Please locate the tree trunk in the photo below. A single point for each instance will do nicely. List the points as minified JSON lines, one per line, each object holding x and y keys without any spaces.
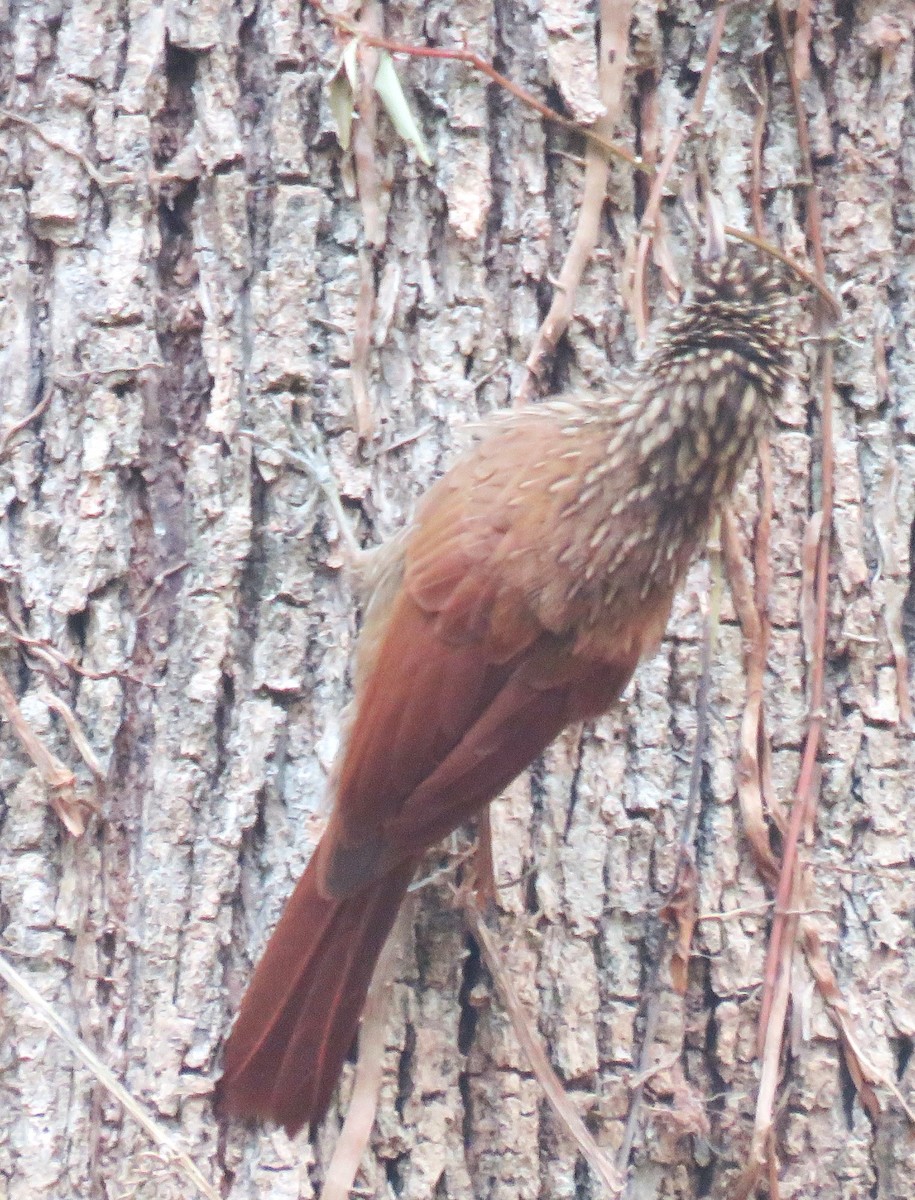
{"x":186,"y":262}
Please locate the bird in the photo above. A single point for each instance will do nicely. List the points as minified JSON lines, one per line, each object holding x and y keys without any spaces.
{"x":537,"y":573}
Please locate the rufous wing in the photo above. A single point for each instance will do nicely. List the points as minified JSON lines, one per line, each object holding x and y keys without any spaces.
{"x":466,"y":689}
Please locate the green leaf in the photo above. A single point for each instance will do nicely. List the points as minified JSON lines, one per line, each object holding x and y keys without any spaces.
{"x":391,"y":94}
{"x":349,"y":62}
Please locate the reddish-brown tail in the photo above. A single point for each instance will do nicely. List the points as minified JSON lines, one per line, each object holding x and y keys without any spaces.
{"x":299,"y":1016}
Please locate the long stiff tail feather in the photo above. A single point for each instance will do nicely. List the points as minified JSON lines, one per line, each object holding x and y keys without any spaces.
{"x":299,"y":1016}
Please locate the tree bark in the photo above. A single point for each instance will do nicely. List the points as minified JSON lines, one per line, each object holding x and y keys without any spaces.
{"x":184,"y":262}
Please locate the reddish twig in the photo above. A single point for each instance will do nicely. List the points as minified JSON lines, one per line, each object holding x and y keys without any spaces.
{"x":803,"y":29}
{"x":368,"y":176}
{"x":762,"y":570}
{"x":759,"y":134}
{"x":54,"y":658}
{"x":755,"y":629}
{"x":762,"y":1149}
{"x":804,"y":794}
{"x":811,"y":281}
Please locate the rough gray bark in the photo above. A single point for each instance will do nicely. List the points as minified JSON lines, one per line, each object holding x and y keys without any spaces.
{"x":190,"y":267}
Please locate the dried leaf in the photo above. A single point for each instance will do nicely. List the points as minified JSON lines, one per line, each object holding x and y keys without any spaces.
{"x":341,"y":100}
{"x":680,"y":910}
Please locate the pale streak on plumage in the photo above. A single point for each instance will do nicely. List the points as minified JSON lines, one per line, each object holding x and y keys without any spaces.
{"x":668,"y":446}
{"x":561,"y":485}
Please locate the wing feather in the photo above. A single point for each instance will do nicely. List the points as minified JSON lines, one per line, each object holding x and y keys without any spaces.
{"x":514,"y":730}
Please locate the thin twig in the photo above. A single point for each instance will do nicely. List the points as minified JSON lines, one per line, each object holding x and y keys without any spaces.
{"x":756,"y":163}
{"x":653,"y":206}
{"x":811,"y":281}
{"x":58,"y":778}
{"x":365,"y":131}
{"x":597,"y":1158}
{"x":97,"y":176}
{"x":754,"y":625}
{"x":415,"y":435}
{"x":76,"y":731}
{"x":368,"y":187}
{"x":709,"y":640}
{"x":363,"y":1103}
{"x":615,"y":16}
{"x":361,"y":345}
{"x":803,"y":29}
{"x":759,"y":910}
{"x":27,"y":420}
{"x":314,"y":464}
{"x":804,"y":795}
{"x":591,"y":134}
{"x":684,"y":860}
{"x":145,"y":600}
{"x":163,"y":1140}
{"x":484,"y":865}
{"x":762,"y":569}
{"x":785,"y":929}
{"x":48,"y":653}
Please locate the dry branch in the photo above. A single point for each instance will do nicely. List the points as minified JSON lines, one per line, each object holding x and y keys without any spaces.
{"x":58,"y":778}
{"x":363,"y":1102}
{"x":166,"y":1145}
{"x":614,"y":37}
{"x":650,"y":219}
{"x":555,"y":1093}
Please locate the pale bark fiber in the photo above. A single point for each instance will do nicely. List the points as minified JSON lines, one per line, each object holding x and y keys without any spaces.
{"x":208,"y":282}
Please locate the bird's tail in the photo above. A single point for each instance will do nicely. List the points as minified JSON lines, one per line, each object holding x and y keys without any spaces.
{"x":299,"y":1016}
